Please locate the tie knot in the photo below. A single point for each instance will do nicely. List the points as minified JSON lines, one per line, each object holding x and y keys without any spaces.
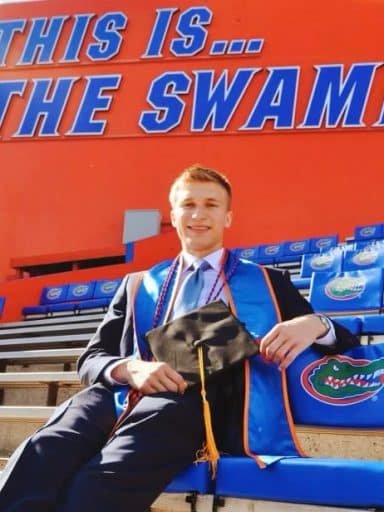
{"x":201,"y":264}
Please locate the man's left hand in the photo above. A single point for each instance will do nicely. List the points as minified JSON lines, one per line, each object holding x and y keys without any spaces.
{"x":286,"y":340}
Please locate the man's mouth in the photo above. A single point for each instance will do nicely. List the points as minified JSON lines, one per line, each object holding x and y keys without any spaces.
{"x":199,"y":228}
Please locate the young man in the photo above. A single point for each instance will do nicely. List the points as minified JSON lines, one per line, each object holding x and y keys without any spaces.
{"x":75,"y":462}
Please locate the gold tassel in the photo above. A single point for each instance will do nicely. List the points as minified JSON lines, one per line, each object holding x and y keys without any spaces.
{"x":210,"y":451}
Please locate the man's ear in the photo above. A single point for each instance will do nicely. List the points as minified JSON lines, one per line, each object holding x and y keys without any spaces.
{"x":228,"y":220}
{"x":173,"y":219}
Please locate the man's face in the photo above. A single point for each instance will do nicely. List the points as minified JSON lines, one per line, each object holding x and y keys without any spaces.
{"x":200,"y":214}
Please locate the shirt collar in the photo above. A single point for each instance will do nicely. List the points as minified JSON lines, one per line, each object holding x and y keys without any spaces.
{"x":214,"y":259}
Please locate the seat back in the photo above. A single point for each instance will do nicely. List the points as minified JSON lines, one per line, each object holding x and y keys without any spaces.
{"x":106,"y":288}
{"x":370,"y":256}
{"x":323,"y":243}
{"x":330,"y":261}
{"x":338,"y":292}
{"x":54,"y":294}
{"x":344,"y":390}
{"x":80,"y":291}
{"x":248,"y":253}
{"x":369,"y":232}
{"x":296,"y":248}
{"x":270,"y":253}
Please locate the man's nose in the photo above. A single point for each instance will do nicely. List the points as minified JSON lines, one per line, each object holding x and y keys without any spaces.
{"x":198,"y":212}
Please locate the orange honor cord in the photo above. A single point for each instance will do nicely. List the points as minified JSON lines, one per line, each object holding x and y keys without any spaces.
{"x":288,"y":411}
{"x":258,"y":460}
{"x":209,"y":451}
{"x":133,"y":395}
{"x":284,"y":385}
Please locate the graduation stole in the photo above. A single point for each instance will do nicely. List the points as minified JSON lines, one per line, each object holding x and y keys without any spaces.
{"x":268,"y":427}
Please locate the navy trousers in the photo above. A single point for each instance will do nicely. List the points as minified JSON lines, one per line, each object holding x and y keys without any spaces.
{"x":73,"y":464}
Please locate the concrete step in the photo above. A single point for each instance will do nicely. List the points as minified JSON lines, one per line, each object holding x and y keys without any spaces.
{"x":57,"y":355}
{"x":316,"y":442}
{"x":26,"y":332}
{"x":68,"y":339}
{"x":25,"y":413}
{"x":79,"y":318}
{"x":29,"y":379}
{"x":366,"y":444}
{"x":63,"y":314}
{"x":246,"y":505}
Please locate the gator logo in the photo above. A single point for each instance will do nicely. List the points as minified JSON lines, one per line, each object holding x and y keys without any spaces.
{"x":365,"y":257}
{"x":341,"y":380}
{"x":345,"y":288}
{"x":297,"y":246}
{"x":323,"y":243}
{"x":80,"y":290}
{"x":368,"y":231}
{"x":321,"y":261}
{"x":247,"y":253}
{"x":272,"y":249}
{"x":54,"y":293}
{"x":108,"y":287}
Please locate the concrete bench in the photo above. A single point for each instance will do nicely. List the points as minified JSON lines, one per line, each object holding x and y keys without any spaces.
{"x":80,"y":339}
{"x":58,"y":355}
{"x":32,"y":378}
{"x":22,"y":412}
{"x":70,"y":319}
{"x":41,"y":330}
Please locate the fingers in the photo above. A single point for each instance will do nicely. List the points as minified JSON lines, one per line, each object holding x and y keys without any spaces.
{"x":150,"y":377}
{"x":286,"y":340}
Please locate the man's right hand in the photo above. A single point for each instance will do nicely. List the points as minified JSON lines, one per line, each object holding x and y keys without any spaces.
{"x":149,"y":377}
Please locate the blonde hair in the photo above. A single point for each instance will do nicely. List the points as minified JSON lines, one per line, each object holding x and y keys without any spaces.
{"x":197,"y":172}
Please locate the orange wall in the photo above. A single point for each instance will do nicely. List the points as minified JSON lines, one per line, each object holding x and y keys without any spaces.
{"x":26,"y":292}
{"x":63,"y":193}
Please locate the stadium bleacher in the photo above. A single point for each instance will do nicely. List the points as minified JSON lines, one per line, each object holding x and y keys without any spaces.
{"x":343,"y":280}
{"x":74,"y":297}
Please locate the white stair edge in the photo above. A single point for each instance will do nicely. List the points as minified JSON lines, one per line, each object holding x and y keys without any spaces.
{"x":55,"y":353}
{"x":39,"y":377}
{"x":30,"y":412}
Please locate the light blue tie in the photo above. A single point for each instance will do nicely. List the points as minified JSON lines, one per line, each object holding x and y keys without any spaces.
{"x":189,"y":294}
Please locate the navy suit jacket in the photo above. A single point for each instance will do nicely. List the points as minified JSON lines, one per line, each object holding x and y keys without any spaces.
{"x":113,"y":339}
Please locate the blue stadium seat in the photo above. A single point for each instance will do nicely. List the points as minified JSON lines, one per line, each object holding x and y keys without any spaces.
{"x":94,"y":303}
{"x":333,"y":482}
{"x":323,"y":243}
{"x":330,"y":261}
{"x":196,"y":478}
{"x":358,"y":290}
{"x":293,"y":250}
{"x":62,"y":307}
{"x":353,"y":323}
{"x":103,"y":292}
{"x":54,"y":294}
{"x":34,"y":310}
{"x":248,"y":253}
{"x":369,"y":232}
{"x":370,"y":256}
{"x":372,"y":324}
{"x":270,"y":253}
{"x":363,"y":244}
{"x":301,"y":283}
{"x":334,"y":391}
{"x":80,"y":291}
{"x":106,"y":288}
{"x":50,"y":296}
